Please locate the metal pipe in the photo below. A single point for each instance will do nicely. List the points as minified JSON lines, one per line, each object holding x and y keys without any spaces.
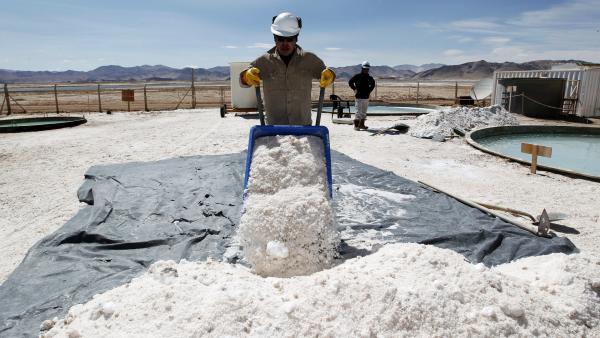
{"x":56,"y":99}
{"x":259,"y":106}
{"x":193,"y":90}
{"x":99,"y":100}
{"x":320,"y":108}
{"x":145,"y":99}
{"x":7,"y":99}
{"x":418,"y":85}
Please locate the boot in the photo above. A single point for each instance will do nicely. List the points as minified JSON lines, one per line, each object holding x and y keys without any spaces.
{"x":356,"y":124}
{"x":361,"y":125}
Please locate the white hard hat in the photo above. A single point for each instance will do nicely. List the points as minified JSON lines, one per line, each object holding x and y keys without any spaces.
{"x":366,"y":64}
{"x":286,"y":24}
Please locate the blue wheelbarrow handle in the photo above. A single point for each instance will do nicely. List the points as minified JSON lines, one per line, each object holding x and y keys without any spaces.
{"x":261,"y":115}
{"x":320,"y":108}
{"x":259,"y":105}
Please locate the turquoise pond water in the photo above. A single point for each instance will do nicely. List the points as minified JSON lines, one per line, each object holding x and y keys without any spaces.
{"x":395,"y":109}
{"x":375,"y":109}
{"x":569,"y":151}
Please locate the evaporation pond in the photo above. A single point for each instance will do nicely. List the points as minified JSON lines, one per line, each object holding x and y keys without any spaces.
{"x":33,"y":123}
{"x":569,"y":151}
{"x":398,"y":110}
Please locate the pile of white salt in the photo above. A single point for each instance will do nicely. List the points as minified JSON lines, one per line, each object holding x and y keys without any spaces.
{"x":287,"y":226}
{"x":402,"y":290}
{"x":440,"y":124}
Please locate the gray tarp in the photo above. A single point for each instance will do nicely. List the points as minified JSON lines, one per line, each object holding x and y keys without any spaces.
{"x":189,"y":208}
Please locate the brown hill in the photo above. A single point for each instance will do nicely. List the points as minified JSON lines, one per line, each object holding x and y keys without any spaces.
{"x":115,"y":73}
{"x":482,"y":69}
{"x":380,"y":72}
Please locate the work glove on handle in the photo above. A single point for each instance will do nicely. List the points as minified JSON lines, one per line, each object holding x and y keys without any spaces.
{"x":251,"y":77}
{"x":327,"y":78}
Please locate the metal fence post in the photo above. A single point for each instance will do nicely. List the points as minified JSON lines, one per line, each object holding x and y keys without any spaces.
{"x":56,"y":99}
{"x":7,"y":99}
{"x":418,"y":85}
{"x":193,"y":91}
{"x":99,"y":100}
{"x":145,"y":100}
{"x":455,"y":91}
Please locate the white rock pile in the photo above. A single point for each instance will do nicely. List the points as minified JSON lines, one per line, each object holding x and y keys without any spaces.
{"x":440,"y":124}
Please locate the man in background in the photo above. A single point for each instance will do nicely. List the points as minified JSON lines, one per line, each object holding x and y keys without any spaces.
{"x":287,"y":72}
{"x":362,"y":84}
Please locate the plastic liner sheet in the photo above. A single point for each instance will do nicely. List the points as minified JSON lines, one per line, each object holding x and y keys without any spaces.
{"x":189,"y":208}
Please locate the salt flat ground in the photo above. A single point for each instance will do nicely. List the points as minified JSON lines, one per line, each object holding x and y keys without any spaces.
{"x":42,"y":171}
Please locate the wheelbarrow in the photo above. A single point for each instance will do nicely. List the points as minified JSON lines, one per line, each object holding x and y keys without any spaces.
{"x":272,"y":130}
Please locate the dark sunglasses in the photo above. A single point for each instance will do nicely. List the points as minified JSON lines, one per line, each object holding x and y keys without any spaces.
{"x":285,"y":38}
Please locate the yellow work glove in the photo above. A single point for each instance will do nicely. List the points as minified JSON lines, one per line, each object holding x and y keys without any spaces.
{"x":327,"y":78}
{"x":252,"y":77}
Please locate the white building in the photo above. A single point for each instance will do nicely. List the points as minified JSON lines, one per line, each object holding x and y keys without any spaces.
{"x":564,"y":89}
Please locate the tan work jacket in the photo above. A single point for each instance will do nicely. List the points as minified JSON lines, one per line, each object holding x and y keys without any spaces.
{"x":287,"y":89}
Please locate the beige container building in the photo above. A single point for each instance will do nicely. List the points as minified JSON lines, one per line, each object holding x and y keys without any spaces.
{"x":566,"y":89}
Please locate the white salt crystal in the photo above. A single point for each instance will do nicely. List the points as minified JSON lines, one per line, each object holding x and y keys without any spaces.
{"x":488,"y":312}
{"x":277,"y":249}
{"x":512,"y":310}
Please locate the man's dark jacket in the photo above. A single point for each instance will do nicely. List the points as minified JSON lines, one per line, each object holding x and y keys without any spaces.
{"x":363,"y":84}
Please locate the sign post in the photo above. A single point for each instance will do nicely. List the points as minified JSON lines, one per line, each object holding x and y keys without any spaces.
{"x":535,"y":151}
{"x":128,"y":95}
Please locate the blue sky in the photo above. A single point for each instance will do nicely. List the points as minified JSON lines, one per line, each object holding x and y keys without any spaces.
{"x":82,"y":35}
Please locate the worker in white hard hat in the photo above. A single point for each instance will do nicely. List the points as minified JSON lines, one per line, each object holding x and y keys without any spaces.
{"x":287,"y":72}
{"x":362,"y":84}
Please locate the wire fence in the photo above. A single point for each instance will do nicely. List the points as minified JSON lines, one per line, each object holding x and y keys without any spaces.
{"x":104,"y":97}
{"x":532,"y":100}
{"x":426,"y":92}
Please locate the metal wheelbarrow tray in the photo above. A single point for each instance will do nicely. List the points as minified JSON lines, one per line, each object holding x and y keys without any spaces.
{"x":273,"y":130}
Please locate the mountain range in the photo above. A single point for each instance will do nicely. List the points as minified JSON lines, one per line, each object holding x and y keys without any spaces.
{"x":468,"y":71}
{"x":116,"y":73}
